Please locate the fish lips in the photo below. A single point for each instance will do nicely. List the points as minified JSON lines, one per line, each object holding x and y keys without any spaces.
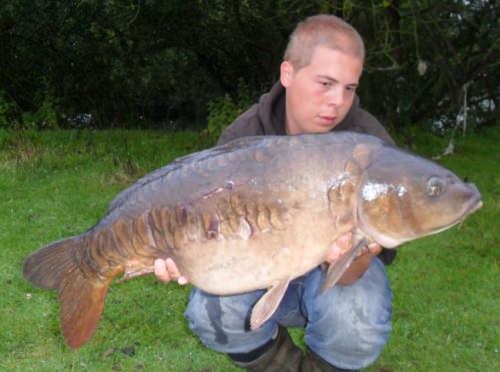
{"x":474,"y":203}
{"x":476,"y":200}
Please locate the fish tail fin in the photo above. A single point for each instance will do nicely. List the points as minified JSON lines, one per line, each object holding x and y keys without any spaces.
{"x":81,"y":298}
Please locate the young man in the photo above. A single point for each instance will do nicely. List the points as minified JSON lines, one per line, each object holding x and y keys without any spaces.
{"x":347,"y":327}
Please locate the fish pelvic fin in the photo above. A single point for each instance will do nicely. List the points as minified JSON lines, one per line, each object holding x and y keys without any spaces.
{"x":268,"y":303}
{"x":81,"y":298}
{"x":336,"y":269}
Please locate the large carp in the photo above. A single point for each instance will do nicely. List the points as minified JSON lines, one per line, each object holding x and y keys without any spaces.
{"x":252,"y":214}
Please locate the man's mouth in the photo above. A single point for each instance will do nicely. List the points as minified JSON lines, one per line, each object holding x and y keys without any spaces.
{"x":327,"y":119}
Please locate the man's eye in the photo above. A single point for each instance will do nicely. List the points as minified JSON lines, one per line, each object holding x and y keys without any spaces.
{"x":326,"y":84}
{"x":351,"y":89}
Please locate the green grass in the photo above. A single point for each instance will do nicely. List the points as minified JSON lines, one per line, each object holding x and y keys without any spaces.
{"x":55,"y":184}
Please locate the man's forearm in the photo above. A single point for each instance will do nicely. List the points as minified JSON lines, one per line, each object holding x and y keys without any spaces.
{"x":356,"y":270}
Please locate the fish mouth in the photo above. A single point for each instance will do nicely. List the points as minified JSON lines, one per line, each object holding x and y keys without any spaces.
{"x":476,"y":200}
{"x":476,"y":204}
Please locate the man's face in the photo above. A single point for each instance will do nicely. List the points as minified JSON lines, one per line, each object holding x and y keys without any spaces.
{"x":319,"y":95}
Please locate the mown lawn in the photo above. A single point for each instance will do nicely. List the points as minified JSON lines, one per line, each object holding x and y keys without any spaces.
{"x":56,"y":184}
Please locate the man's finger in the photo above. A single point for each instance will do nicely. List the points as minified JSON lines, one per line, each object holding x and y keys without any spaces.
{"x":344,"y":242}
{"x":174,"y":273}
{"x":333,"y":253}
{"x":161,"y":270}
{"x":339,"y":247}
{"x":172,"y":268}
{"x":374,"y":248}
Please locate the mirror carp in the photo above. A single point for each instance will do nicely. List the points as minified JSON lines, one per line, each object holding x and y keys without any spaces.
{"x":252,"y":214}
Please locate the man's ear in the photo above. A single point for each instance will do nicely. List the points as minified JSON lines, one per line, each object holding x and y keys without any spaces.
{"x":286,"y":73}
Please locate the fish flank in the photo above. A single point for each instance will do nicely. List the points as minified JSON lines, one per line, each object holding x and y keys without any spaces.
{"x":263,"y":218}
{"x":146,"y":237}
{"x":123,"y":235}
{"x":211,"y":225}
{"x":158,"y":236}
{"x":100,"y":256}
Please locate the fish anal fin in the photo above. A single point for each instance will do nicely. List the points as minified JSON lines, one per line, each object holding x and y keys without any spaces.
{"x":268,"y":303}
{"x":336,"y":269}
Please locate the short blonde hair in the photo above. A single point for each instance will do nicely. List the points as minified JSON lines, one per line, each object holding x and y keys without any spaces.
{"x":322,"y":30}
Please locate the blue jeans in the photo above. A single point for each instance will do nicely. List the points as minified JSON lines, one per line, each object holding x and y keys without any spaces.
{"x":347,"y":326}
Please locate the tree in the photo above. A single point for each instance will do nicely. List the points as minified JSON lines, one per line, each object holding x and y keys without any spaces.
{"x":152,"y":62}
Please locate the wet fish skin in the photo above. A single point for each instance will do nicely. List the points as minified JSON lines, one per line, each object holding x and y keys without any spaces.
{"x":252,"y":214}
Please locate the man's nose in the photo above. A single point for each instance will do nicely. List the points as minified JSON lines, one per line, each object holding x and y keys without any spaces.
{"x":336,"y":96}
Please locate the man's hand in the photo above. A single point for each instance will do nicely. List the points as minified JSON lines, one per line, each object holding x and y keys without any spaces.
{"x":359,"y":265}
{"x":166,"y":270}
{"x":339,"y":247}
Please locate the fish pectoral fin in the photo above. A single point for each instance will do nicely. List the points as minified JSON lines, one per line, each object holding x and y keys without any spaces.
{"x":268,"y":303}
{"x":338,"y":268}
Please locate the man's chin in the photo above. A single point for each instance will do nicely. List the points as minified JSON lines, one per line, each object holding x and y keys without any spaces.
{"x":324,"y":126}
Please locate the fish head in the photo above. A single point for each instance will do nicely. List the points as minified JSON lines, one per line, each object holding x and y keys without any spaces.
{"x":404,"y":197}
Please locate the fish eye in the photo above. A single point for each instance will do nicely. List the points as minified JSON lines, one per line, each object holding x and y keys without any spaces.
{"x":435,"y":186}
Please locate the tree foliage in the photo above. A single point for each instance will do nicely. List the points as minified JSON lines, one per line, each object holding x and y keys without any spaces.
{"x":161,"y":63}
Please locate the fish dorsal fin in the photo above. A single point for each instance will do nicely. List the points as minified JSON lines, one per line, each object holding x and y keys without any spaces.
{"x":336,"y":269}
{"x":268,"y":303}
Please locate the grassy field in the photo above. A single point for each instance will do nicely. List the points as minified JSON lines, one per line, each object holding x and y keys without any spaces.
{"x":56,"y":184}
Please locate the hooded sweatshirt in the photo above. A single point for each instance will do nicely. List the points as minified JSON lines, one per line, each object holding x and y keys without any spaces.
{"x":267,"y":117}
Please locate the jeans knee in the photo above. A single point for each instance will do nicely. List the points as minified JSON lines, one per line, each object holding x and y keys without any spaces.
{"x":349,"y":325}
{"x":222,"y":322}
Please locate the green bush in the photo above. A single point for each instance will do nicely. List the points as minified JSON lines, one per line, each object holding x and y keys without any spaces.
{"x":7,"y":111}
{"x":221,"y":112}
{"x":46,"y":117}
